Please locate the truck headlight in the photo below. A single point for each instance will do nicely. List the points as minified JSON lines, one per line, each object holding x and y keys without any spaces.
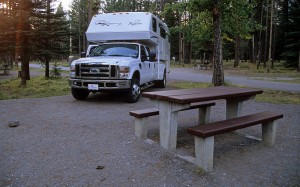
{"x":124,"y":72}
{"x":72,"y":67}
{"x":72,"y":70}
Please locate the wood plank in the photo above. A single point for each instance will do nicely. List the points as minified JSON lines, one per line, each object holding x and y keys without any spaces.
{"x":233,"y":124}
{"x":154,"y":111}
{"x":200,"y":94}
{"x":200,"y":97}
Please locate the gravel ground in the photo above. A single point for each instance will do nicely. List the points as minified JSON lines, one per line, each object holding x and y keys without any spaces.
{"x":64,"y":142}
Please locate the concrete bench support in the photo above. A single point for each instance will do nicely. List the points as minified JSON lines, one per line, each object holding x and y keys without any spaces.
{"x":141,"y":127}
{"x":204,"y":134}
{"x":142,"y":117}
{"x":204,"y":151}
{"x":269,"y":130}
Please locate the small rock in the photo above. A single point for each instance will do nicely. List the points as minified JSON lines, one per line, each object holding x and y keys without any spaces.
{"x":100,"y":167}
{"x":14,"y":123}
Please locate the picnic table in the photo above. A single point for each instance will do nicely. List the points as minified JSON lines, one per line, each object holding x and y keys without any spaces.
{"x":5,"y":67}
{"x":170,"y":102}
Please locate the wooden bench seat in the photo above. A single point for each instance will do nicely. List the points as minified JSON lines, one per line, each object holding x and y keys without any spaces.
{"x":141,"y":116}
{"x":204,"y":134}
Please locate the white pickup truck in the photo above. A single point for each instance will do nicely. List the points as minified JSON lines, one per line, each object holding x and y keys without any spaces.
{"x":132,"y":52}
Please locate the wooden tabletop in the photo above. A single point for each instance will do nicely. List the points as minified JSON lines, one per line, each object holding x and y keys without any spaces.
{"x":184,"y":96}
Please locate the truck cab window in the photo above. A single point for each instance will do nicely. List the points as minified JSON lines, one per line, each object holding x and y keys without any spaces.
{"x":125,"y":50}
{"x":148,"y":50}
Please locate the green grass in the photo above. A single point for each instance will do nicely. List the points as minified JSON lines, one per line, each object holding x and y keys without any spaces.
{"x":247,"y":69}
{"x":37,"y":87}
{"x":293,"y":81}
{"x":187,"y":85}
{"x":279,"y":97}
{"x":269,"y":96}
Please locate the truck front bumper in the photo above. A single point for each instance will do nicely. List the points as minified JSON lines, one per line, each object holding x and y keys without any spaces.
{"x":102,"y":84}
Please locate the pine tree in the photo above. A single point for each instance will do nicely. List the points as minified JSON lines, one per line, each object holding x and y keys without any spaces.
{"x":51,"y":35}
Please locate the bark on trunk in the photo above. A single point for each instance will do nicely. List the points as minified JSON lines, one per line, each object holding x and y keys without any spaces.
{"x":270,"y":38}
{"x":253,"y":50}
{"x":190,"y":52}
{"x":218,"y":75}
{"x":47,"y":67}
{"x":237,"y":52}
{"x":266,"y":36}
{"x":180,"y":48}
{"x":298,"y":69}
{"x":260,"y":38}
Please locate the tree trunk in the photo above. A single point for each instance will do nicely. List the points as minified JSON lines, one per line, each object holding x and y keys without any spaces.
{"x":190,"y":52}
{"x":260,"y":37}
{"x":22,"y":41}
{"x":237,"y":52}
{"x":298,"y":69}
{"x":270,"y":38}
{"x":253,"y":60}
{"x":218,"y":74}
{"x":274,"y":35}
{"x":48,"y":24}
{"x":266,"y":36}
{"x":89,"y":10}
{"x":47,"y":68}
{"x":79,"y":28}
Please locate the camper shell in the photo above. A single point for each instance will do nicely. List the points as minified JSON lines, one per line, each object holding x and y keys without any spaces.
{"x":142,"y":29}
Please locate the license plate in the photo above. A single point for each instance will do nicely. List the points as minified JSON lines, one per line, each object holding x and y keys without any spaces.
{"x":93,"y":87}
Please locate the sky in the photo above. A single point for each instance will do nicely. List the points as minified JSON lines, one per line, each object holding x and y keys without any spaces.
{"x":65,"y":4}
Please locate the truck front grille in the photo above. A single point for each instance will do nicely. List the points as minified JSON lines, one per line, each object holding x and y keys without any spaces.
{"x":96,"y":71}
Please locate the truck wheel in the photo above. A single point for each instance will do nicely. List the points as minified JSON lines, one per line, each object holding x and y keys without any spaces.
{"x":80,"y":94}
{"x":161,"y":83}
{"x":134,"y":92}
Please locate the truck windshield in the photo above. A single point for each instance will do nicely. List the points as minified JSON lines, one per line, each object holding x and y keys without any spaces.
{"x":124,"y":50}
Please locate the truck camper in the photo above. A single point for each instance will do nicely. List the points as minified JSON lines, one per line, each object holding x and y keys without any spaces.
{"x":130,"y":52}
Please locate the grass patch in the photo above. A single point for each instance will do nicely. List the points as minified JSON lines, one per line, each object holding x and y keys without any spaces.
{"x":293,"y":81}
{"x":268,"y":96}
{"x":37,"y":87}
{"x":187,"y":85}
{"x":246,"y":69}
{"x":279,"y":97}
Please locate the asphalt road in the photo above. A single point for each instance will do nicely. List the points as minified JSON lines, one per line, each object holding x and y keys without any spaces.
{"x":194,"y":75}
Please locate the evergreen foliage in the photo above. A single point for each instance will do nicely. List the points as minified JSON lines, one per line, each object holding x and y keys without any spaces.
{"x":291,"y":47}
{"x":32,"y":30}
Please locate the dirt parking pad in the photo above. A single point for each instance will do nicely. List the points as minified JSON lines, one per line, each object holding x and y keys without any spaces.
{"x":64,"y":142}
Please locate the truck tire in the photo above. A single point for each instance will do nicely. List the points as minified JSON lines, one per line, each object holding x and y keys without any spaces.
{"x":80,"y":94}
{"x":161,"y":83}
{"x":134,"y":92}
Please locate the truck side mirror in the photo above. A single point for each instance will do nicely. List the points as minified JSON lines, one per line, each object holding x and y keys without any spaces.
{"x":83,"y":55}
{"x":152,"y":57}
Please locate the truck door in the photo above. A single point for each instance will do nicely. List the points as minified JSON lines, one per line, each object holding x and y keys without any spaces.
{"x":153,"y":65}
{"x":147,"y":66}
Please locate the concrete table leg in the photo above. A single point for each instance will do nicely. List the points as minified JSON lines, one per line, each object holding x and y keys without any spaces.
{"x":203,"y":115}
{"x":168,"y":121}
{"x":233,"y":108}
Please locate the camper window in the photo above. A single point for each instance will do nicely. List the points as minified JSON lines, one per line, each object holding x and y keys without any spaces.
{"x":154,"y":26}
{"x":162,"y":31}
